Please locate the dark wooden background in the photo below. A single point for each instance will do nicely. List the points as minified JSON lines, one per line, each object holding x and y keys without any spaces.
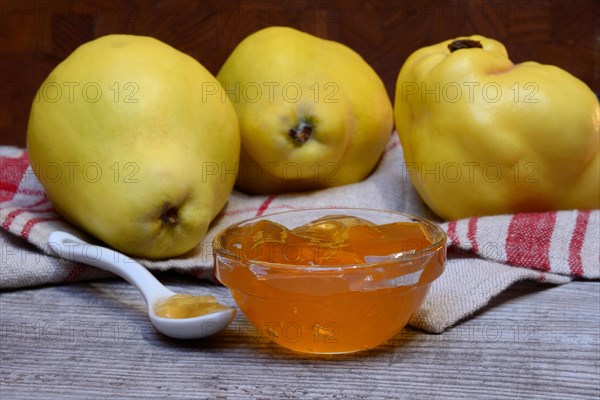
{"x":36,"y":35}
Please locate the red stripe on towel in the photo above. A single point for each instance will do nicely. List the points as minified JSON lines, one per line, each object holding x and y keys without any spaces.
{"x":452,"y":233}
{"x":472,"y":234}
{"x":576,"y":244}
{"x":12,"y":175}
{"x":32,"y":222}
{"x":528,"y":240}
{"x":15,"y":213}
{"x":265,"y":205}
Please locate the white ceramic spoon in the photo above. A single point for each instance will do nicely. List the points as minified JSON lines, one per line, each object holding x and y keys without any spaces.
{"x":72,"y":248}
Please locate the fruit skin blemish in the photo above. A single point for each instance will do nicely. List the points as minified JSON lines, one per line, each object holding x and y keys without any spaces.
{"x":337,"y":283}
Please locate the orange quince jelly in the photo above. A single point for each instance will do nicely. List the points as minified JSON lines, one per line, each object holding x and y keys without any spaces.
{"x":334,"y":285}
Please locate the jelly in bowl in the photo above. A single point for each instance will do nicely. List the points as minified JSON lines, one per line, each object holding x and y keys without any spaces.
{"x":330,"y":280}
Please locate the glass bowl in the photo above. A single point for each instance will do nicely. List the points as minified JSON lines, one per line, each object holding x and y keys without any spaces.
{"x":315,"y":301}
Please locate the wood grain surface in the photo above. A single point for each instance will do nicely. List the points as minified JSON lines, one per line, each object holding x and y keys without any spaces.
{"x":91,"y":341}
{"x":35,"y":35}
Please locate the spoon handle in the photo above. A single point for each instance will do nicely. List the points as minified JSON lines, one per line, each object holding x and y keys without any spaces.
{"x":72,"y":248}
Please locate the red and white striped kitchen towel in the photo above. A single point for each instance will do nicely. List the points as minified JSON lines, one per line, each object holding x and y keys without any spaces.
{"x":496,"y":251}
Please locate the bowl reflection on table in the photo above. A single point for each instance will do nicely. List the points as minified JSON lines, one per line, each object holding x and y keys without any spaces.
{"x":327,"y":304}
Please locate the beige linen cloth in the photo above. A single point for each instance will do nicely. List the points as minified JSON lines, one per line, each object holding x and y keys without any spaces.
{"x":486,"y":254}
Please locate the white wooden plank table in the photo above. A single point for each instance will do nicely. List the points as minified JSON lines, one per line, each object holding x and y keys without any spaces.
{"x":93,"y":340}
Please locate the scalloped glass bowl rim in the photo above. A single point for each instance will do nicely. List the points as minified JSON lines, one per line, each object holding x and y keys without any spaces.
{"x":440,"y":235}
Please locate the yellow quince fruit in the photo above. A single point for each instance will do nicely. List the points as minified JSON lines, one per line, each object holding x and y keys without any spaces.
{"x":127,"y":148}
{"x":482,"y":135}
{"x":312,"y":113}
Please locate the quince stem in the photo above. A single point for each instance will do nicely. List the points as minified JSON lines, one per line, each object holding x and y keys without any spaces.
{"x":464,"y":44}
